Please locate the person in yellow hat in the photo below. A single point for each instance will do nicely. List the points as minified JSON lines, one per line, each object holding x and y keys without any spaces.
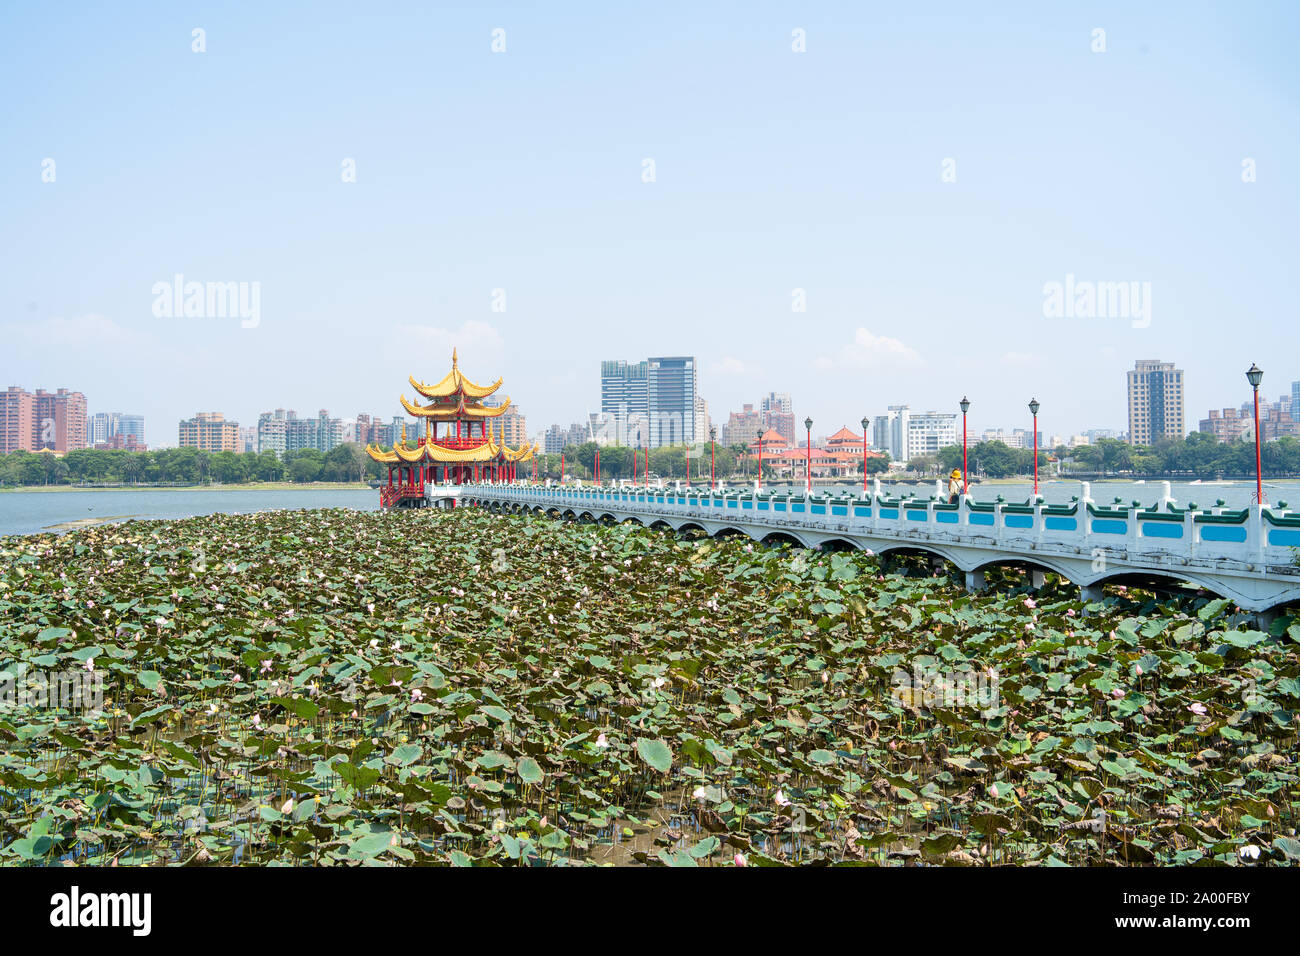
{"x":954,"y":486}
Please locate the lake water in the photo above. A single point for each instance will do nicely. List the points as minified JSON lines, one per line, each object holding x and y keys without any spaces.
{"x":27,"y":512}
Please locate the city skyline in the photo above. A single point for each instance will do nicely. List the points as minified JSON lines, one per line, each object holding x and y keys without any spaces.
{"x":940,"y":238}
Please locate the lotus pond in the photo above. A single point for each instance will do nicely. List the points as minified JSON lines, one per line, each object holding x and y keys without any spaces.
{"x":346,"y":688}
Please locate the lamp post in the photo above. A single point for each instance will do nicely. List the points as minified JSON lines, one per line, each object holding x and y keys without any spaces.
{"x":760,"y":459}
{"x":713,"y":434}
{"x":1253,"y":375}
{"x":865,"y":422}
{"x":597,"y":467}
{"x":807,"y":423}
{"x":1033,"y":408}
{"x":561,"y":468}
{"x":965,"y":481}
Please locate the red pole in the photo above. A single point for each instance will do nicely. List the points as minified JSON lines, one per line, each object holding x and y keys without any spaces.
{"x":965,"y":480}
{"x":1259,"y":470}
{"x":561,"y":467}
{"x":760,"y":462}
{"x":864,"y":461}
{"x":597,"y":466}
{"x":712,"y":448}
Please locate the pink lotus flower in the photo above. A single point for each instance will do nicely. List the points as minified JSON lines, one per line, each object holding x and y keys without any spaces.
{"x":1030,"y":603}
{"x":741,"y":860}
{"x":257,"y":720}
{"x":993,"y":791}
{"x":1197,"y":708}
{"x":780,"y":799}
{"x":1118,"y":693}
{"x":602,"y":743}
{"x":1137,"y":668}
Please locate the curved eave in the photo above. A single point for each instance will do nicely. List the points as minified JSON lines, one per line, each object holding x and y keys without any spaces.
{"x":457,"y":411}
{"x":452,"y":384}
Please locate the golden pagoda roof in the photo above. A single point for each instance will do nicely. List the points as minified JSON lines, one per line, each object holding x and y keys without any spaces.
{"x":459,"y":410}
{"x":454,"y":383}
{"x":427,"y":450}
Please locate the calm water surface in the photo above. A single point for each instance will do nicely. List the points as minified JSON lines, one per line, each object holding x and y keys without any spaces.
{"x":27,"y":512}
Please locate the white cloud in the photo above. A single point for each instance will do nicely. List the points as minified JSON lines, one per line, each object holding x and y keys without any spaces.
{"x":729,"y":365}
{"x":868,"y":350}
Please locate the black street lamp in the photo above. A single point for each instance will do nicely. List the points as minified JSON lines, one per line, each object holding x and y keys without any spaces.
{"x":1255,"y":375}
{"x":807,"y":423}
{"x":1033,"y":408}
{"x":865,"y":422}
{"x":965,"y":482}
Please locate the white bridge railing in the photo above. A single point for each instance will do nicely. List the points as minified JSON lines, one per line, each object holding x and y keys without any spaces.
{"x":1256,"y":541}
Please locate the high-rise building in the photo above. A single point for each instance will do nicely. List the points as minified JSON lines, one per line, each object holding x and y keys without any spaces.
{"x":209,"y":431}
{"x":650,"y":403}
{"x":927,"y":433}
{"x":271,"y":428}
{"x":702,"y":420}
{"x":1227,"y":425}
{"x":46,"y":421}
{"x":778,"y":414}
{"x":743,"y":427}
{"x":1155,"y":402}
{"x":281,"y":431}
{"x":624,"y":402}
{"x":59,"y":420}
{"x":890,"y":432}
{"x":100,"y":428}
{"x":670,"y":394}
{"x":104,"y":426}
{"x":511,"y":426}
{"x":557,"y":438}
{"x":132,"y":425}
{"x":16,"y":414}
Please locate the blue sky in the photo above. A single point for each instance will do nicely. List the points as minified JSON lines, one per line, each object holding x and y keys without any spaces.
{"x":523,"y":171}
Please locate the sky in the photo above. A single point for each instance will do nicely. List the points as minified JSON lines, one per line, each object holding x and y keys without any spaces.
{"x":619,"y":181}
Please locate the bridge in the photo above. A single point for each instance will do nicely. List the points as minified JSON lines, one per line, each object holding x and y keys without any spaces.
{"x":1248,"y":556}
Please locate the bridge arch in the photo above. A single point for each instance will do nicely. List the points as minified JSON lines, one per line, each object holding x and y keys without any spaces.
{"x":782,"y":537}
{"x":838,"y":544}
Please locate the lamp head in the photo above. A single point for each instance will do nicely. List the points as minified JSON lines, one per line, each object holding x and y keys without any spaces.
{"x":1254,"y":374}
{"x":965,"y":404}
{"x":1034,"y":406}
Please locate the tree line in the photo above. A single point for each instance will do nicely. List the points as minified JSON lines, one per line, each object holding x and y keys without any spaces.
{"x":347,"y":462}
{"x":1198,"y":455}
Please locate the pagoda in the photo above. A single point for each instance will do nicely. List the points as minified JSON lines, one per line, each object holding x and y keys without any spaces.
{"x":460,"y":442}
